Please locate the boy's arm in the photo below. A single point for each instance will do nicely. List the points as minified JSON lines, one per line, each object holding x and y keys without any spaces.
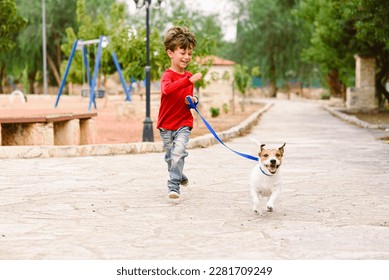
{"x":169,"y":87}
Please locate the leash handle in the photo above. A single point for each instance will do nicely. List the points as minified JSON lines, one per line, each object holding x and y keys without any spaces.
{"x":193,"y":106}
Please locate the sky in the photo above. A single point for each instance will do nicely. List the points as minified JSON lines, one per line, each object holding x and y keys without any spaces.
{"x":219,"y":6}
{"x":208,"y":6}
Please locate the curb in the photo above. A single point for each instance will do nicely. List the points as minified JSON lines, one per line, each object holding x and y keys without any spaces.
{"x":26,"y":152}
{"x":338,"y":112}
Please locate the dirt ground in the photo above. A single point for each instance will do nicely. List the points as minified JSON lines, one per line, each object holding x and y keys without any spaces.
{"x":379,"y":118}
{"x":117,"y":121}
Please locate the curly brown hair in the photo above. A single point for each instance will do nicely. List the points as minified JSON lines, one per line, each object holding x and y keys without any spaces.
{"x":179,"y":37}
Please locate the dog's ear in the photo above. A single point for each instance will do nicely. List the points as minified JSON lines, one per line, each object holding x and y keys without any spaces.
{"x":261,"y":147}
{"x":282,"y":149}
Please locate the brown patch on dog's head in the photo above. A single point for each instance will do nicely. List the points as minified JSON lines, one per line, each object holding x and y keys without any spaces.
{"x":271,"y":158}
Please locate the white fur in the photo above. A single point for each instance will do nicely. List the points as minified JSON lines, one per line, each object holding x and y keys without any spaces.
{"x":263,"y":186}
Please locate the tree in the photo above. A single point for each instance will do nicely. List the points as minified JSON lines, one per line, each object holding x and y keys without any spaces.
{"x":342,"y":29}
{"x":330,"y":42}
{"x":27,"y":55}
{"x":89,"y":28}
{"x":267,"y":37}
{"x":372,"y":38}
{"x":28,"y":52}
{"x":242,"y":81}
{"x":11,"y":23}
{"x":128,"y":40}
{"x":95,"y":18}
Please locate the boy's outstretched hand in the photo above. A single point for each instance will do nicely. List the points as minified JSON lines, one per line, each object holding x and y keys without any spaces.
{"x":196,"y":77}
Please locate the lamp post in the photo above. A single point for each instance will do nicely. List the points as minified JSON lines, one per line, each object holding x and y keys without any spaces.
{"x":148,"y":135}
{"x":44,"y":46}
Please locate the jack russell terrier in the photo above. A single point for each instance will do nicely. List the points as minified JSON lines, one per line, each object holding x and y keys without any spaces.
{"x":265,"y":179}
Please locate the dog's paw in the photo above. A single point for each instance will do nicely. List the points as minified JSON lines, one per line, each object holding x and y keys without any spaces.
{"x":270,"y":209}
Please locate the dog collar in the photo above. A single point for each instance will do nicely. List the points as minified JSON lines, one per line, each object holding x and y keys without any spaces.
{"x":260,"y":168}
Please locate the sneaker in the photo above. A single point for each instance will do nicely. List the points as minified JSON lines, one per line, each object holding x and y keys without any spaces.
{"x":174,"y":195}
{"x":184,"y":182}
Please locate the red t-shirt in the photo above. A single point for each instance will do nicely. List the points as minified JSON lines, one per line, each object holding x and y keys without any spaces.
{"x":173,"y":112}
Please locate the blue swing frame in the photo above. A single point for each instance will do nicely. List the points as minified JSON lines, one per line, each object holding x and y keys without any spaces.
{"x":92,"y":82}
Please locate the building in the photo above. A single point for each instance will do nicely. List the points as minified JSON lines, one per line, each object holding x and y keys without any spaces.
{"x":219,"y":78}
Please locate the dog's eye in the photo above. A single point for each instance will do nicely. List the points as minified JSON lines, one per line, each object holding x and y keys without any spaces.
{"x":265,"y":155}
{"x":278,"y":155}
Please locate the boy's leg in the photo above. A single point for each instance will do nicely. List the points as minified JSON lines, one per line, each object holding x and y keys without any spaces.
{"x":175,"y":152}
{"x":178,"y":155}
{"x":167,"y":139}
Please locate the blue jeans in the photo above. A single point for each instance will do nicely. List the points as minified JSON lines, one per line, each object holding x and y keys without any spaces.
{"x":174,"y":143}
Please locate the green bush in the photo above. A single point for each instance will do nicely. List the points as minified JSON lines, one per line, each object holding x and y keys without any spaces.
{"x":325,"y":96}
{"x":215,"y":112}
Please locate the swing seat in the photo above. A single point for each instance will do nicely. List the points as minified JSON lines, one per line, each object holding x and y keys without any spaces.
{"x":99,"y":93}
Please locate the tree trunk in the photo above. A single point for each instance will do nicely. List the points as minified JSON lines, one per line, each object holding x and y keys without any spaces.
{"x":59,"y":57}
{"x":54,"y":70}
{"x":382,"y":77}
{"x":31,"y":81}
{"x":2,"y":74}
{"x":273,"y":89}
{"x":337,"y":88}
{"x":272,"y":75}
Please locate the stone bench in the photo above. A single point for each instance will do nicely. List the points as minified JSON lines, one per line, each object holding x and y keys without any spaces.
{"x":48,"y":130}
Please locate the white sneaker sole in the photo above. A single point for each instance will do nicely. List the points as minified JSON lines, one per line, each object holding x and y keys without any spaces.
{"x":174,"y":195}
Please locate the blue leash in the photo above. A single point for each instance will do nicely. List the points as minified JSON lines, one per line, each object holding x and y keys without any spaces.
{"x":193,"y":106}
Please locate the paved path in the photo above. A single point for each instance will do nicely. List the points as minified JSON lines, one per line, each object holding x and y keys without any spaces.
{"x":334,"y":204}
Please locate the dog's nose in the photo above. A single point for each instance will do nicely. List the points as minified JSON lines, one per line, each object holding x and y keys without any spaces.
{"x":273,"y":161}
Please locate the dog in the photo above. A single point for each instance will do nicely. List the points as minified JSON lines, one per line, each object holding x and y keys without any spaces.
{"x":266,"y":179}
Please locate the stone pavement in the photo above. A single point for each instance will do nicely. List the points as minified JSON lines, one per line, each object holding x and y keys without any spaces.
{"x":334,"y":204}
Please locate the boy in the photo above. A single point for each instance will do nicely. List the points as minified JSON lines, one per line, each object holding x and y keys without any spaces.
{"x":175,"y":120}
